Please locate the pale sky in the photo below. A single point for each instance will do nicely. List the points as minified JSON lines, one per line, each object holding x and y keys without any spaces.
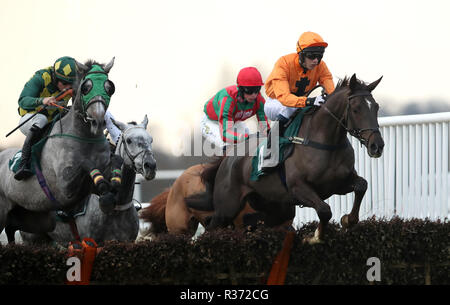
{"x":173,"y":55}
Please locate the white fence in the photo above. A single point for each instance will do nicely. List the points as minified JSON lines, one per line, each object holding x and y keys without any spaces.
{"x":411,"y":179}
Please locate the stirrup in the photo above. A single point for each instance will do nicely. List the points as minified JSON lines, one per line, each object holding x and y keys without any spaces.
{"x":267,"y":161}
{"x":23,"y":173}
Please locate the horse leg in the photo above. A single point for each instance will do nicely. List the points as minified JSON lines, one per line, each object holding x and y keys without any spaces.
{"x":116,"y":172}
{"x":308,"y":197}
{"x":10,"y":234}
{"x":177,"y":214}
{"x":35,"y":239}
{"x":107,"y":200}
{"x":226,"y":209}
{"x":28,"y":221}
{"x":99,"y":181}
{"x":359,"y":186}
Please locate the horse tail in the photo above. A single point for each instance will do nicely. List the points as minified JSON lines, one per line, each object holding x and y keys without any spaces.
{"x":204,"y":201}
{"x":155,"y":213}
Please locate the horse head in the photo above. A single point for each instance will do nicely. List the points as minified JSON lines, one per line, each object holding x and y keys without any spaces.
{"x":135,"y":147}
{"x":362,"y":116}
{"x":93,"y":91}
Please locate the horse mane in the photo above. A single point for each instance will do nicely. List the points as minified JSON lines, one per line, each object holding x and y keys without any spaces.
{"x":345,"y":83}
{"x":90,"y":62}
{"x":343,"y":87}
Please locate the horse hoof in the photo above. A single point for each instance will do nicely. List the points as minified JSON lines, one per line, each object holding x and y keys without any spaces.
{"x":313,"y":240}
{"x":344,"y":222}
{"x":107,"y":203}
{"x":115,"y":185}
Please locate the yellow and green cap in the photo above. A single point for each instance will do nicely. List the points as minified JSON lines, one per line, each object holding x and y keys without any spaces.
{"x":65,"y":69}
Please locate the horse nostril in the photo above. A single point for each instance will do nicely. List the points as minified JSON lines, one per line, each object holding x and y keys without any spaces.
{"x":149,"y":166}
{"x":373,"y":147}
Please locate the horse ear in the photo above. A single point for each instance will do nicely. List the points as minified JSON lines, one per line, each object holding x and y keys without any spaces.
{"x":81,"y":67}
{"x":373,"y":85}
{"x":353,"y":82}
{"x":144,"y":122}
{"x":119,"y":125}
{"x":109,"y":65}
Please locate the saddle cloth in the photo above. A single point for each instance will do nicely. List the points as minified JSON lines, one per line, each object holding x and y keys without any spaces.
{"x":285,"y":146}
{"x":36,"y":149}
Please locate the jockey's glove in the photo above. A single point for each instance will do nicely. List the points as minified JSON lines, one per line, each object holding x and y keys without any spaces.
{"x":315,"y":101}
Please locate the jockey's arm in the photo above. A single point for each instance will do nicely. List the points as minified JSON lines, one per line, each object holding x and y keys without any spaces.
{"x":29,"y":98}
{"x":281,"y":88}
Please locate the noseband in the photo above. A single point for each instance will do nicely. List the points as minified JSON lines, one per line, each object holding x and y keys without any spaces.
{"x":355,"y":132}
{"x":122,"y":140}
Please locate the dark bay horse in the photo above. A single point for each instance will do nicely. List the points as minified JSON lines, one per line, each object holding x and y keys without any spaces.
{"x":312,"y":173}
{"x":72,"y":161}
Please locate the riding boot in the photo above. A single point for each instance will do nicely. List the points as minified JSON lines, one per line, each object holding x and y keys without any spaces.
{"x":267,"y":160}
{"x":24,"y":170}
{"x":281,"y":129}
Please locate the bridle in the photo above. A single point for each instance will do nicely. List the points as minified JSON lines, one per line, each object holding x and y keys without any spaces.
{"x":355,"y":132}
{"x":122,"y":140}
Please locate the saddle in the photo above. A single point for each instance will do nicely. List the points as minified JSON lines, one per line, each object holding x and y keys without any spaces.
{"x":286,"y":145}
{"x":36,"y":149}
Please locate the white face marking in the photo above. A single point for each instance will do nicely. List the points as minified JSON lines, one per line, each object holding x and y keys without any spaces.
{"x":369,"y":103}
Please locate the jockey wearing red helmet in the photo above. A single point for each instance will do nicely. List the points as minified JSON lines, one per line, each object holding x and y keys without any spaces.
{"x":226,"y":110}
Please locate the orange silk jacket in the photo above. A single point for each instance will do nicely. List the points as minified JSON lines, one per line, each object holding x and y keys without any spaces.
{"x":288,"y":82}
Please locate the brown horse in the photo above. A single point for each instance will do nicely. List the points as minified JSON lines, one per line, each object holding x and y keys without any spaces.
{"x":322,"y":164}
{"x":188,"y":202}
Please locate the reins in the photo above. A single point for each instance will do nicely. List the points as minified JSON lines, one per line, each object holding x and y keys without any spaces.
{"x":306,"y":141}
{"x":355,"y":132}
{"x":343,"y":122}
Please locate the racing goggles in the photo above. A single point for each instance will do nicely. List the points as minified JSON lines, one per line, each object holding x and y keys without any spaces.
{"x":251,"y":90}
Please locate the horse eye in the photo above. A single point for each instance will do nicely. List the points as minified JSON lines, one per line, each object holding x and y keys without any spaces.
{"x":109,"y":87}
{"x":86,"y":87}
{"x":129,"y":141}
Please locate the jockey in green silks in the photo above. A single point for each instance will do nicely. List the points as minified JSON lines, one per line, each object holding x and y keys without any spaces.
{"x":39,"y":92}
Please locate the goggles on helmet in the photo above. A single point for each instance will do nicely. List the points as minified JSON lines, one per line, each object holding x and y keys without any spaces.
{"x":251,"y":89}
{"x":313,"y":55}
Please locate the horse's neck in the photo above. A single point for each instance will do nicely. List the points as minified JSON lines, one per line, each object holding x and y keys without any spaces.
{"x":72,"y":123}
{"x":325,"y":128}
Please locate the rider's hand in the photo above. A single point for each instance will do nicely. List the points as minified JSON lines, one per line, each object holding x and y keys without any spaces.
{"x":48,"y":100}
{"x":316,"y":101}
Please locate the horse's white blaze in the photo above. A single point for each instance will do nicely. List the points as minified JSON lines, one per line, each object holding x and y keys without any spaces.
{"x":369,"y":103}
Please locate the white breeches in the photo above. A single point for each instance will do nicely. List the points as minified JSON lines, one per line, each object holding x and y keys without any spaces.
{"x":39,"y":120}
{"x":211,"y":131}
{"x":273,"y":108}
{"x":114,"y":131}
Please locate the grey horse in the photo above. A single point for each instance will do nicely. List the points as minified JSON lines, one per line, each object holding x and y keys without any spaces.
{"x":121,"y":223}
{"x":75,"y":148}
